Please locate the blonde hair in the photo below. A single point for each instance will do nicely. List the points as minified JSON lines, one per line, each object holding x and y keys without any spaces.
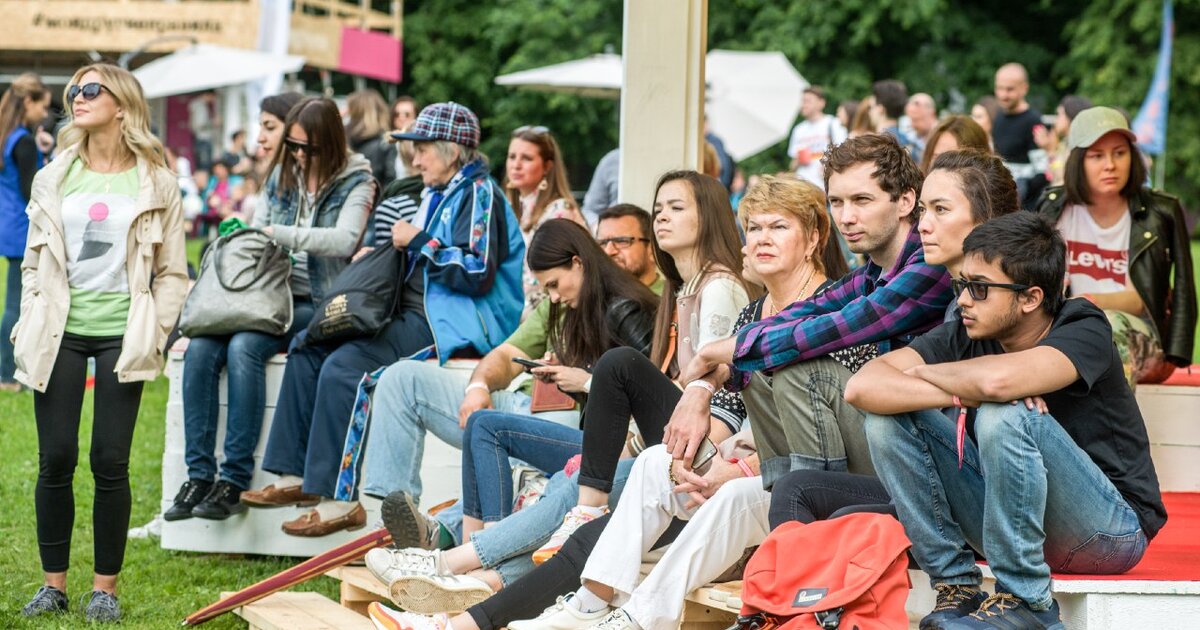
{"x":785,"y":194}
{"x":135,"y":124}
{"x":369,"y":115}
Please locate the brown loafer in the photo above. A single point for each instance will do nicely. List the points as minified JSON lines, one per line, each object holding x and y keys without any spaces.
{"x":310,"y":525}
{"x":279,"y":497}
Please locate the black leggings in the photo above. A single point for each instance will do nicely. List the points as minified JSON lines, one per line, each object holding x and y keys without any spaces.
{"x":537,"y":590}
{"x":816,"y":495}
{"x":624,"y":383}
{"x":57,"y":412}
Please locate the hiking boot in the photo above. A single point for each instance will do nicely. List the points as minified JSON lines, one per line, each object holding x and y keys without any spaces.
{"x":1007,"y":611}
{"x":47,"y":600}
{"x":409,"y":526}
{"x":190,"y":494}
{"x":222,"y":502}
{"x":954,"y":601}
{"x":573,"y":520}
{"x":102,"y":608}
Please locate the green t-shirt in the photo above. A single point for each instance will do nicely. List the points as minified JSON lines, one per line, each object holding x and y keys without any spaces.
{"x":97,"y":212}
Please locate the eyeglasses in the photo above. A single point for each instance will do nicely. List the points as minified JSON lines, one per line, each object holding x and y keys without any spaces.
{"x":89,"y":90}
{"x":296,"y":147}
{"x":978,"y":289}
{"x":535,"y":129}
{"x":621,"y":242}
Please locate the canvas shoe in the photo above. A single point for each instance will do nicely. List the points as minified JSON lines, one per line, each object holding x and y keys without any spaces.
{"x":388,"y":564}
{"x":954,"y":601}
{"x":385,"y":618}
{"x":47,"y":600}
{"x":1008,"y":612}
{"x":431,"y":594}
{"x":563,"y":615}
{"x":574,"y":519}
{"x":617,"y":620}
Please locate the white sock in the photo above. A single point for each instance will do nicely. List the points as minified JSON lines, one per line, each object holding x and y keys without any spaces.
{"x":586,"y":601}
{"x":439,"y":563}
{"x":593,"y":511}
{"x":288,"y":481}
{"x":330,"y":509}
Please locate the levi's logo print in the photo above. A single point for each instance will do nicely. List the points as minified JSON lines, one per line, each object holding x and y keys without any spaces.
{"x":1102,"y":264}
{"x":806,"y":597}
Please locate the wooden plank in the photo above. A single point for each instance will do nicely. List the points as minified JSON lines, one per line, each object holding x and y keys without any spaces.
{"x":360,"y":578}
{"x":700,"y":617}
{"x":301,"y":611}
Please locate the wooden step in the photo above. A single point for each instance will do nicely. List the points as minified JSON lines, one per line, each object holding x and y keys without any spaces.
{"x":359,"y":588}
{"x":300,"y":611}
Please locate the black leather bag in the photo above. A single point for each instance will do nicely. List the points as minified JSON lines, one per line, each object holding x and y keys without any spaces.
{"x":362,"y":299}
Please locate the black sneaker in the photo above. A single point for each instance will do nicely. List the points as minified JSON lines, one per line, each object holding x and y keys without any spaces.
{"x":954,"y":601}
{"x":190,"y":494}
{"x":409,"y":526}
{"x":102,"y":608}
{"x":222,"y":502}
{"x":1009,"y":612}
{"x":48,"y":600}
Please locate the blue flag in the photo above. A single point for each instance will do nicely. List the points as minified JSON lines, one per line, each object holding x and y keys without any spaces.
{"x":1150,"y":125}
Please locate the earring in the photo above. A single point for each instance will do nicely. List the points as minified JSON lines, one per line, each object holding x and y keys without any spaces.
{"x":542,"y":185}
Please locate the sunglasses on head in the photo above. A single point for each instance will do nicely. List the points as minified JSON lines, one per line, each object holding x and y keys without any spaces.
{"x":89,"y":90}
{"x":536,"y":129}
{"x":978,"y":289}
{"x":296,"y":147}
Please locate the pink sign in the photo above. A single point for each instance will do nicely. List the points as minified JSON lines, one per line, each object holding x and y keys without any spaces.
{"x":370,"y":54}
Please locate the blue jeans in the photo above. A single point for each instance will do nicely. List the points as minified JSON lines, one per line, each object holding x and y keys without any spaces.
{"x":12,"y":311}
{"x":245,"y":354}
{"x":508,"y":545}
{"x":492,"y":438}
{"x":1027,"y":497}
{"x":413,"y":398}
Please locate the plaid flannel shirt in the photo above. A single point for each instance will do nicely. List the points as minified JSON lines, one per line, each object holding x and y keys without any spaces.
{"x":866,"y":306}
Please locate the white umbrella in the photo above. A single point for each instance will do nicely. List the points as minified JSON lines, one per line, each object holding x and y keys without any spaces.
{"x":753,"y":97}
{"x":205,"y":66}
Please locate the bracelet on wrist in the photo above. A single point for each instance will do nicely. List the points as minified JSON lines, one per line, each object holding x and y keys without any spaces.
{"x":478,"y":385}
{"x":702,"y":384}
{"x":741,"y":463}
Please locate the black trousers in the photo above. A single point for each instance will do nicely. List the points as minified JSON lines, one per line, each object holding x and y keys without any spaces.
{"x":624,"y":383}
{"x":58,"y":415}
{"x":808,"y":496}
{"x":537,"y":590}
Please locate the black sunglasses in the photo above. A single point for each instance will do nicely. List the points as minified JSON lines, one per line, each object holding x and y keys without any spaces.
{"x":978,"y":289}
{"x":89,"y":90}
{"x":621,"y":242}
{"x":296,"y":147}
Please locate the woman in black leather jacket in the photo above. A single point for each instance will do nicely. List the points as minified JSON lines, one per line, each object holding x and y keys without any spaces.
{"x":1128,"y":249}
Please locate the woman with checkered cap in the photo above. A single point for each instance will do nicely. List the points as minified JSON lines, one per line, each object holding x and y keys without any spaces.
{"x":462,"y":296}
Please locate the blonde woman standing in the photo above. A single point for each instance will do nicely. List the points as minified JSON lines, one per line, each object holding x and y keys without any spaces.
{"x":104,"y":277}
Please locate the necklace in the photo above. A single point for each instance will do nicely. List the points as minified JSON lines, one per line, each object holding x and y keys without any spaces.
{"x":808,"y":279}
{"x":110,"y":176}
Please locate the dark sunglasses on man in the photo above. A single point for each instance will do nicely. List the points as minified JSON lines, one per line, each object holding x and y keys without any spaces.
{"x":89,"y":90}
{"x":978,"y":289}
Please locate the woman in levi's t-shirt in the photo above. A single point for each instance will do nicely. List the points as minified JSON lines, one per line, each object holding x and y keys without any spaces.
{"x":1126,"y":246}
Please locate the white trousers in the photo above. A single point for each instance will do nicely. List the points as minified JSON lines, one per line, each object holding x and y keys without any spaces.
{"x":716,"y":535}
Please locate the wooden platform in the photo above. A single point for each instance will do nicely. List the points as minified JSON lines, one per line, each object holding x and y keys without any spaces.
{"x":300,"y":611}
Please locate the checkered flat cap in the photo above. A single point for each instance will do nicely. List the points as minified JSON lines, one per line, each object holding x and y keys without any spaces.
{"x":444,"y":121}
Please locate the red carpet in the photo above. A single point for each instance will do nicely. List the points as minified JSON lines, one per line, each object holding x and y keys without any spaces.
{"x":1174,"y":554}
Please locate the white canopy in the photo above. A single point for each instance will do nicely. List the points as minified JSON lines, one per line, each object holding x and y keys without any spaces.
{"x":205,"y":66}
{"x":753,"y":97}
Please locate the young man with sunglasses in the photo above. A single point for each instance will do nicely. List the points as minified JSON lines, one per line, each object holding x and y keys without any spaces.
{"x":1048,"y":467}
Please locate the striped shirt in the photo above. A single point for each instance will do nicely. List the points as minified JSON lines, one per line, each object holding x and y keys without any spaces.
{"x":866,"y":306}
{"x":400,"y":207}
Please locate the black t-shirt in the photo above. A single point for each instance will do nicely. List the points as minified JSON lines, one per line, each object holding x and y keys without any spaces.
{"x":1012,"y":135}
{"x":1098,"y":410}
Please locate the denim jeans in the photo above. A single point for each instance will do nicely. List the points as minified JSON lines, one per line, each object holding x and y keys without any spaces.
{"x":1027,"y":497}
{"x":415,"y":397}
{"x":12,"y":311}
{"x":245,"y":354}
{"x":493,"y":437}
{"x":508,"y":545}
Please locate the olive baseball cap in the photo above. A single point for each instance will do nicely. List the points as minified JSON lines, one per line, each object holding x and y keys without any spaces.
{"x":1094,"y":122}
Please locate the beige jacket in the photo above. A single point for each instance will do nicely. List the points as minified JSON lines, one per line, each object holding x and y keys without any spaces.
{"x":156,"y":265}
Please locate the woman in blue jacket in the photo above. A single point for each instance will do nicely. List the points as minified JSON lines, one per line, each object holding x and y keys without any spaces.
{"x":462,"y":293}
{"x":23,"y":105}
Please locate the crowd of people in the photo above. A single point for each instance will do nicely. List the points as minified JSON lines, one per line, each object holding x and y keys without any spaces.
{"x":701,"y":373}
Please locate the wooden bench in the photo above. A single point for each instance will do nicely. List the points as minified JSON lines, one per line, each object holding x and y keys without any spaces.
{"x":300,"y":611}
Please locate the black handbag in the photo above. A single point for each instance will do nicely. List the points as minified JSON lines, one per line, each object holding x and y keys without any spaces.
{"x":362,"y":299}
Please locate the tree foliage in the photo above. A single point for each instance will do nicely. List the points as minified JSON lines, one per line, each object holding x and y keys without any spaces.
{"x":948,"y":48}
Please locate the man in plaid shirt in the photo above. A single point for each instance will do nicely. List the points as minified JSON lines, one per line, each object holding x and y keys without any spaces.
{"x":792,"y":386}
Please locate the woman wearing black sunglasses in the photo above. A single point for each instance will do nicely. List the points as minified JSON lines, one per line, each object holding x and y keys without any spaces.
{"x":104,"y":277}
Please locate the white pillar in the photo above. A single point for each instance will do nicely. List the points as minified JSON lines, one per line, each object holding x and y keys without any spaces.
{"x":662,"y":97}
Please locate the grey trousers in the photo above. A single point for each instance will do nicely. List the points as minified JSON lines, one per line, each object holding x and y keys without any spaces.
{"x":801,"y":421}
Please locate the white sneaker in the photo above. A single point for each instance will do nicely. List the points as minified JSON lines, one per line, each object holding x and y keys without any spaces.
{"x":617,"y":620}
{"x":385,"y":618}
{"x":574,"y":519}
{"x":430,"y":594}
{"x":388,"y":564}
{"x":561,"y":616}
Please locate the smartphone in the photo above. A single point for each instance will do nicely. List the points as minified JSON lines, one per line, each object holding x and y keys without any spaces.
{"x":703,"y":457}
{"x":528,"y":363}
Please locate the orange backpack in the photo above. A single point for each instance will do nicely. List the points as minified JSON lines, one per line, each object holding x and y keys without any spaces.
{"x":850,"y":572}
